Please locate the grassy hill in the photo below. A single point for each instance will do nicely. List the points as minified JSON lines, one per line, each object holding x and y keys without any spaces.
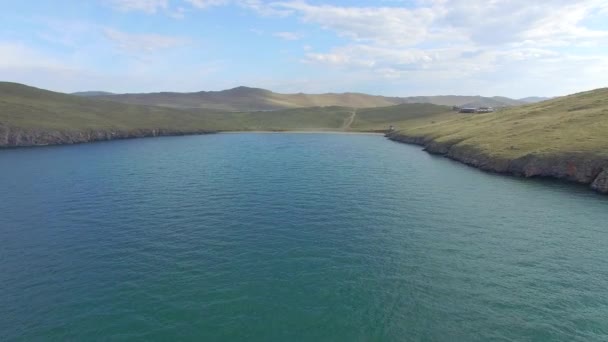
{"x":299,"y":119}
{"x":575,"y":123}
{"x":563,"y":138}
{"x":32,"y":108}
{"x":402,"y":115}
{"x":248,"y":99}
{"x":32,"y":116}
{"x":252,"y":99}
{"x":534,"y":99}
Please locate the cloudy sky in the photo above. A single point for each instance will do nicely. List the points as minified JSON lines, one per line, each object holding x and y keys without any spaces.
{"x":513,"y":48}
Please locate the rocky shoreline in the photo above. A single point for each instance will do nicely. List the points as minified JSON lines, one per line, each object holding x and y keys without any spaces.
{"x":17,"y":137}
{"x":573,"y":167}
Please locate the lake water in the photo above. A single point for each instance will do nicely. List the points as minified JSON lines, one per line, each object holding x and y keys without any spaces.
{"x":284,"y":237}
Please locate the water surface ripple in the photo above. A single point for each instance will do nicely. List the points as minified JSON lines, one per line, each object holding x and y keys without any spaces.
{"x":280,"y":237}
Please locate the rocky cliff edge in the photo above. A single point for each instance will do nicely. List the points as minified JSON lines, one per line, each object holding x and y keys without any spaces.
{"x":18,"y":137}
{"x":575,"y":167}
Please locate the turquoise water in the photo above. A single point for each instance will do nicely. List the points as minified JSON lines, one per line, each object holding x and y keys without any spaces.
{"x":282,"y":237}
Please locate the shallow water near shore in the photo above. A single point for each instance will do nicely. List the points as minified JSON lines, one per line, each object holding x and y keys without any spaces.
{"x":278,"y":237}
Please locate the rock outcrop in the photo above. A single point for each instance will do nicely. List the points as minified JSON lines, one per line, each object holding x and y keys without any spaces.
{"x":18,"y":137}
{"x":575,"y":167}
{"x":600,"y":183}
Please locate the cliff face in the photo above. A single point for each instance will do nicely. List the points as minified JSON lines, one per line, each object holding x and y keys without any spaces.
{"x":17,"y":137}
{"x":580,"y":168}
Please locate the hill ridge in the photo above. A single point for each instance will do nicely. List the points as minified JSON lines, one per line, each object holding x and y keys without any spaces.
{"x":245,"y":98}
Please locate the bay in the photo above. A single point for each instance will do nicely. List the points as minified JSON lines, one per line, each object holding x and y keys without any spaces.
{"x":277,"y":237}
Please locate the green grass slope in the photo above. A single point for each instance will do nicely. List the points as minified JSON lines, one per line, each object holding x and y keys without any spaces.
{"x":299,"y":119}
{"x":564,"y":138}
{"x":575,"y":123}
{"x":32,"y":108}
{"x":398,"y":116}
{"x":572,"y":124}
{"x":26,"y":107}
{"x":315,"y":118}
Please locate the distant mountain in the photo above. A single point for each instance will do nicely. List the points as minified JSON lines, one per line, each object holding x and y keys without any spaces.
{"x":91,"y":93}
{"x":464,"y":101}
{"x":248,"y":99}
{"x":534,"y":99}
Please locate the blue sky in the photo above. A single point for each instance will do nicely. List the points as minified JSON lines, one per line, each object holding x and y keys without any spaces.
{"x":513,"y":48}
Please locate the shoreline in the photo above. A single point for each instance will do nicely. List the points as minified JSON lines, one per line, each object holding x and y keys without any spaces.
{"x":11,"y":138}
{"x":570,"y":167}
{"x":579,"y":168}
{"x":303,"y":132}
{"x":19,"y":138}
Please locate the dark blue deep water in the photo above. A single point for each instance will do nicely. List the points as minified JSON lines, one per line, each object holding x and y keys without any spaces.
{"x":292,"y":237}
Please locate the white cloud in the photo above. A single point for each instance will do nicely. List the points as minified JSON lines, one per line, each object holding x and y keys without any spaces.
{"x":263,"y":8}
{"x":288,"y":35}
{"x":260,"y":7}
{"x":479,"y":22}
{"x":142,"y":43}
{"x":548,"y":22}
{"x":372,"y":56}
{"x":461,"y":43}
{"x":387,"y":25}
{"x":418,"y":46}
{"x":147,"y":6}
{"x":451,"y":62}
{"x":201,"y":4}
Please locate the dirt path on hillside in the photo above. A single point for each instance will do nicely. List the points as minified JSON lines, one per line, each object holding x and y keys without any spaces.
{"x":349,"y":120}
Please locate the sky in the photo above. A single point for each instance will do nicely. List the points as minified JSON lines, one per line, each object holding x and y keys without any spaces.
{"x":514,"y":48}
